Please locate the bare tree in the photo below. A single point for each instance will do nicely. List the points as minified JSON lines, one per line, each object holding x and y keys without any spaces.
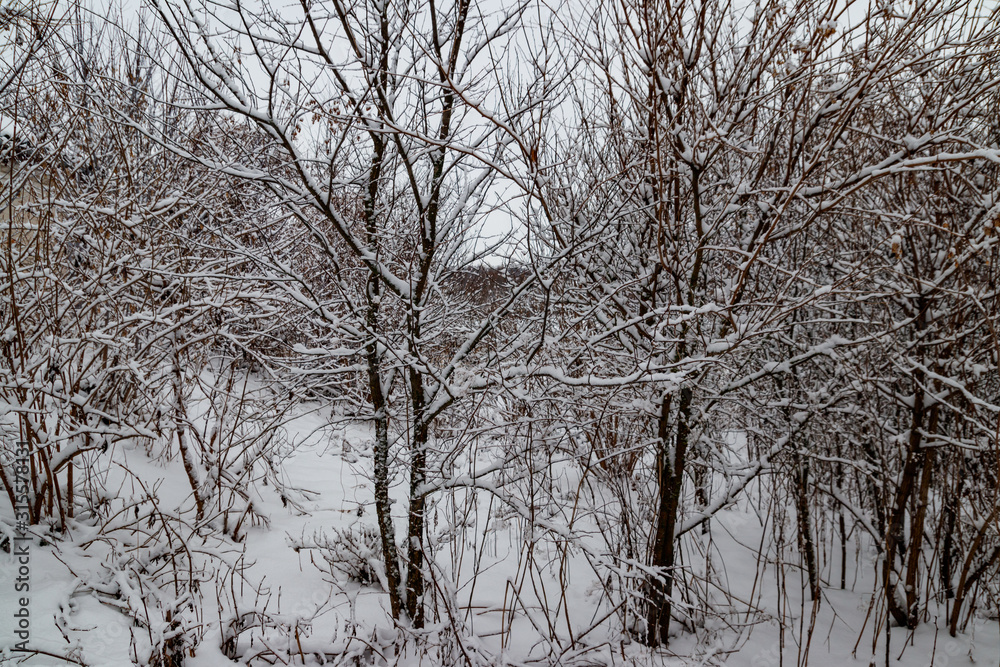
{"x":735,"y":133}
{"x":391,"y":126}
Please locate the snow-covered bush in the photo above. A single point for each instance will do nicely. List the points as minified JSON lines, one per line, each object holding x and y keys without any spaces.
{"x":351,"y":554}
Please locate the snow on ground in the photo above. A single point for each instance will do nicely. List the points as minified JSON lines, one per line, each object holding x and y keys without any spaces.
{"x":319,"y":611}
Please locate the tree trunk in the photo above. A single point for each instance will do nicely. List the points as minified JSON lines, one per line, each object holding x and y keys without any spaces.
{"x":383,"y":509}
{"x":671,"y":479}
{"x":804,"y":521}
{"x":415,"y":527}
{"x":948,"y":547}
{"x":894,"y":535}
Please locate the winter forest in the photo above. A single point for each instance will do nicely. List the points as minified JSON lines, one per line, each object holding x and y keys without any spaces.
{"x":471,"y":333}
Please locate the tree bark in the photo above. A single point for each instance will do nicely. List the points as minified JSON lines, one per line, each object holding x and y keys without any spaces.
{"x":671,"y":478}
{"x":804,"y":521}
{"x":383,"y":507}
